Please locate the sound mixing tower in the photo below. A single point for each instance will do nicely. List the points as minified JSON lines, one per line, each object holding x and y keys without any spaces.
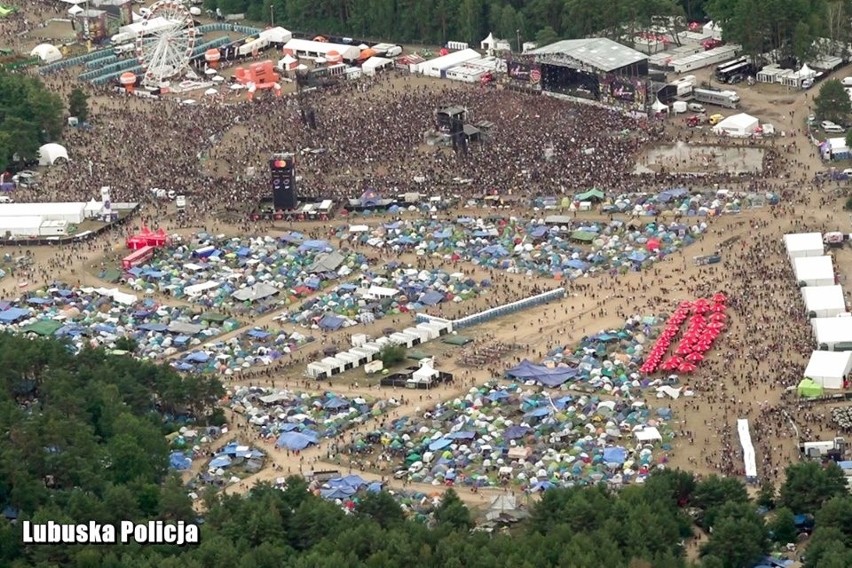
{"x":282,"y":168}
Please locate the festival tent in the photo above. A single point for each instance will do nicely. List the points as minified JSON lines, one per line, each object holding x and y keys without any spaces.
{"x":814,"y":270}
{"x":295,"y":441}
{"x":738,"y":125}
{"x":373,"y":64}
{"x":824,"y":301}
{"x":46,"y":52}
{"x":256,"y":292}
{"x":804,"y":244}
{"x":550,"y":377}
{"x":830,"y":332}
{"x":49,"y":153}
{"x":809,"y":389}
{"x":829,"y":368}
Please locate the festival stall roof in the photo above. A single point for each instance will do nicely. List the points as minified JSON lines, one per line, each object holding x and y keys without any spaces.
{"x":814,"y":270}
{"x":46,"y":52}
{"x":303,"y":46}
{"x":824,"y":301}
{"x":318,"y":370}
{"x":804,"y":244}
{"x":24,"y":226}
{"x":276,"y":35}
{"x":590,"y":195}
{"x":829,"y":368}
{"x":148,"y":27}
{"x":434,"y":67}
{"x":739,"y":125}
{"x":829,"y":332}
{"x":73,"y":212}
{"x":373,"y":64}
{"x":601,"y":53}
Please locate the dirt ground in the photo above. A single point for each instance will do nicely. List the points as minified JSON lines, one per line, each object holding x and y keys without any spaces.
{"x":585,"y":312}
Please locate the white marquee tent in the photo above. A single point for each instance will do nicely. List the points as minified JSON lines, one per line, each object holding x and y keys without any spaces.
{"x":738,"y":125}
{"x":814,"y":270}
{"x":831,"y":331}
{"x":49,"y":153}
{"x":373,"y":64}
{"x":435,"y":67}
{"x":804,"y":244}
{"x":824,"y":301}
{"x":46,"y":52}
{"x":321,"y":49}
{"x":829,"y":368}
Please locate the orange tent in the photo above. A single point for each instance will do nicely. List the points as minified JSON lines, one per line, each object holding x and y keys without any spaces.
{"x":367,"y":54}
{"x":333,"y":57}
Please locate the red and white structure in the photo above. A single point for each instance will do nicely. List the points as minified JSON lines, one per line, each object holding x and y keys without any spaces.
{"x":167,"y":50}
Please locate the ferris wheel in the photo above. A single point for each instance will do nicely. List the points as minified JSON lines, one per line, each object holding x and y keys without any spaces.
{"x":165,"y":45}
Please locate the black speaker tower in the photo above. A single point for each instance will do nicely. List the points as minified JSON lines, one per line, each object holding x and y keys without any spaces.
{"x":282,"y":168}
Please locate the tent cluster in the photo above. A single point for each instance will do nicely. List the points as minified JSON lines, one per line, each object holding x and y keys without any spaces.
{"x":382,"y":293}
{"x":607,"y":361}
{"x":300,"y":419}
{"x":501,"y":434}
{"x":97,"y":317}
{"x":245,"y":275}
{"x":565,"y":249}
{"x":230,"y":459}
{"x":705,"y":324}
{"x":251,"y":348}
{"x":842,"y":417}
{"x":185,"y":442}
{"x":147,"y":238}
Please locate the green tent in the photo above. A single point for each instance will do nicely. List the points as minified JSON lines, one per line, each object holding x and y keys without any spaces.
{"x":809,"y":389}
{"x":213,"y":317}
{"x":457,"y":340}
{"x":590,"y":195}
{"x":583,"y":236}
{"x":44,"y":328}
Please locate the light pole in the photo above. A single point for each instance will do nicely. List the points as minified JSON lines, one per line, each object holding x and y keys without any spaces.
{"x":518,"y":32}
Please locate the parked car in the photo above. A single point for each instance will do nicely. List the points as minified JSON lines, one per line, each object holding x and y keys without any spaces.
{"x":829,"y":126}
{"x":847,"y":81}
{"x":716,"y":119}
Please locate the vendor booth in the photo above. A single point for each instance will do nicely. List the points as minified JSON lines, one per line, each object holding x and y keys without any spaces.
{"x":833,"y":334}
{"x":829,"y":368}
{"x":814,"y":270}
{"x":804,"y":244}
{"x":824,"y":301}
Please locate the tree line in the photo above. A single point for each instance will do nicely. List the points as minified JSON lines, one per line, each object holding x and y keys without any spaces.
{"x":787,"y":27}
{"x":84,"y":440}
{"x":30,"y":115}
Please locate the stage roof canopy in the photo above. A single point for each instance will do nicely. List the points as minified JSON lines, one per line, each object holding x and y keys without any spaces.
{"x":601,"y":53}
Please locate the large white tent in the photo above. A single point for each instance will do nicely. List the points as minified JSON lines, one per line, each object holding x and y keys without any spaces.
{"x":804,"y":244}
{"x":814,"y":270}
{"x":829,"y":368}
{"x":830,"y":332}
{"x":49,"y":153}
{"x":46,"y":52}
{"x":73,"y":212}
{"x":824,"y":301}
{"x":321,"y":49}
{"x":738,"y":125}
{"x":436,"y":67}
{"x":373,"y":64}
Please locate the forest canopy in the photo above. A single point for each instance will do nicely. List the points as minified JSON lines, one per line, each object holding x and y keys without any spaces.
{"x":30,"y":116}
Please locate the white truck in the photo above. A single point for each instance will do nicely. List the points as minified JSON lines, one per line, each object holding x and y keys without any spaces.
{"x":727,"y":99}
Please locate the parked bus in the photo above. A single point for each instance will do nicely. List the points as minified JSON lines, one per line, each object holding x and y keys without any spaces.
{"x":722,"y":71}
{"x":137,"y":257}
{"x":727,"y":99}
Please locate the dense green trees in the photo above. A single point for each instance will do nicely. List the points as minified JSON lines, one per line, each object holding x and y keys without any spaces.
{"x":30,"y":116}
{"x":832,"y":102}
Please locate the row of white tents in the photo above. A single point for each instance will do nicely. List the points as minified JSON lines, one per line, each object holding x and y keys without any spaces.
{"x":826,"y":306}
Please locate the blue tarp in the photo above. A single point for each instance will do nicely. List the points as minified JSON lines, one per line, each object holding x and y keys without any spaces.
{"x":462,"y":436}
{"x":39,"y":301}
{"x":440,"y":444}
{"x":13,"y":314}
{"x":331,"y":322}
{"x":539,"y":412}
{"x":515,"y":432}
{"x":673,"y":193}
{"x":343,"y":492}
{"x":295,"y":441}
{"x":313,"y":246}
{"x":152,"y":327}
{"x":614,"y":455}
{"x":528,"y":370}
{"x":336,"y":403}
{"x":431,"y":298}
{"x":353,"y":481}
{"x":258,"y":334}
{"x":220,"y":461}
{"x":538,"y":232}
{"x":197,"y":357}
{"x":179,"y":461}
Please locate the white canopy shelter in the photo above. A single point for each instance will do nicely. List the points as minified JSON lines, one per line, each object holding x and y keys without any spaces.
{"x":814,"y":270}
{"x":74,"y":10}
{"x":46,"y":52}
{"x":829,"y":368}
{"x":824,"y":301}
{"x":739,"y":125}
{"x":804,"y":244}
{"x":829,"y":332}
{"x":373,"y":64}
{"x":49,"y":153}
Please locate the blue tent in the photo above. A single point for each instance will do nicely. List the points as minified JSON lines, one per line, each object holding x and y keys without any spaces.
{"x":220,"y":461}
{"x":179,"y":461}
{"x":336,"y":403}
{"x":515,"y":432}
{"x":353,"y":481}
{"x":313,"y":246}
{"x":257,"y":334}
{"x":331,"y":322}
{"x":539,"y":373}
{"x":13,"y":314}
{"x":197,"y":357}
{"x":343,"y":492}
{"x":615,"y":455}
{"x":370,"y":198}
{"x":159,"y":327}
{"x":461,"y":436}
{"x":295,"y":441}
{"x":431,"y":298}
{"x":374,"y":487}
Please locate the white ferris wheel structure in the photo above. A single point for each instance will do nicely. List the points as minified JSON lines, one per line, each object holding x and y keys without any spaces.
{"x":165,"y":47}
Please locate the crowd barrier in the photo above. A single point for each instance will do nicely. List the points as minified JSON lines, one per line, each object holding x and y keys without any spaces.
{"x":225,"y":27}
{"x":499,"y":311}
